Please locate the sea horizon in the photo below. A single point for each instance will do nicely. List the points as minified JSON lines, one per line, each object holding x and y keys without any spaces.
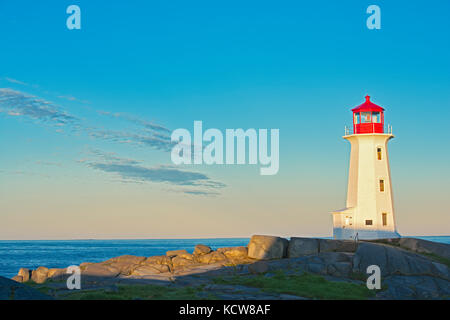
{"x":201,"y":238}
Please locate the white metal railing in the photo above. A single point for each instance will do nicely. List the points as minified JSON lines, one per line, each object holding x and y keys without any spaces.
{"x":389,"y":129}
{"x":346,"y":131}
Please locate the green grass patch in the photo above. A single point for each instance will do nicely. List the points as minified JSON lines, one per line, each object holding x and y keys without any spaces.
{"x":132,"y":292}
{"x":305,"y":285}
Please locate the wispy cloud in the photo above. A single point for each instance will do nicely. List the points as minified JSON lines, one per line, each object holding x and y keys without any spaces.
{"x":129,"y":170}
{"x":11,"y":80}
{"x":16,"y":103}
{"x":201,"y":193}
{"x":139,"y":121}
{"x":19,"y":104}
{"x":170,"y":175}
{"x":92,"y":155}
{"x":139,"y":173}
{"x":150,"y":139}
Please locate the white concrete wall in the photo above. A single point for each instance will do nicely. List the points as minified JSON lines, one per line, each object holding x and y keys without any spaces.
{"x":365,"y":201}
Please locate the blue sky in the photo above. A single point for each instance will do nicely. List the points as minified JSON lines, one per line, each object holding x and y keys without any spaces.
{"x":75,"y":100}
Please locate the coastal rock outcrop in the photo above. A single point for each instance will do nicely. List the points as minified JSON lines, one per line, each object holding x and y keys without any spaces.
{"x":128,"y":259}
{"x":57,"y":273}
{"x":25,"y":274}
{"x":157,"y":260}
{"x":302,"y":246}
{"x":201,"y":249}
{"x":393,"y":260}
{"x":234,"y":253}
{"x":410,"y":269}
{"x":174,"y":253}
{"x":258,"y":267}
{"x":145,"y":270}
{"x":328,"y":245}
{"x":181,"y":262}
{"x":211,"y":257}
{"x":100,"y":270}
{"x":267,"y":247}
{"x":401,"y":287}
{"x":39,"y":275}
{"x":425,"y":246}
{"x":12,"y":290}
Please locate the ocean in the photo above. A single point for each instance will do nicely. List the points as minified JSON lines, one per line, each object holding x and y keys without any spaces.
{"x":15,"y":254}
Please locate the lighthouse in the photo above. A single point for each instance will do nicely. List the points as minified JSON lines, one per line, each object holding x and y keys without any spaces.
{"x":369,"y":212}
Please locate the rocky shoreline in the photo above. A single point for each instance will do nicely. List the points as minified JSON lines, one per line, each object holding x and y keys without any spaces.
{"x":410,"y":269}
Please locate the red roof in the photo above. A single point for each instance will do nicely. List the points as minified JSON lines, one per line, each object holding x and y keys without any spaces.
{"x":367,"y":106}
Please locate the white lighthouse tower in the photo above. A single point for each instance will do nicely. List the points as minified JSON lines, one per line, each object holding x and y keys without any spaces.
{"x":369,"y":212}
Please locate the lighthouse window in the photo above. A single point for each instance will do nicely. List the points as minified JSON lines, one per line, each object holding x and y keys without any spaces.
{"x":379,"y":153}
{"x":376,"y":117}
{"x":368,"y":222}
{"x":381,"y":185}
{"x":366,"y":117}
{"x":384,"y":216}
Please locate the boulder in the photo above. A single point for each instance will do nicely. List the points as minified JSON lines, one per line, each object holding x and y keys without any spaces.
{"x":57,"y":273}
{"x":302,"y":246}
{"x":188,"y":256}
{"x":267,"y":247}
{"x":125,"y":268}
{"x":201,"y":249}
{"x":328,"y":245}
{"x":17,"y":279}
{"x":125,"y":264}
{"x":174,"y":253}
{"x":100,"y":270}
{"x":212,"y":257}
{"x":235,"y":253}
{"x":150,"y":270}
{"x":181,"y":262}
{"x":24,"y":273}
{"x":127,"y":259}
{"x":258,"y":267}
{"x":157,"y":260}
{"x":39,"y":275}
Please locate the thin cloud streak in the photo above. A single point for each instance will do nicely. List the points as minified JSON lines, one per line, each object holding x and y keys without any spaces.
{"x":15,"y":103}
{"x":19,"y":104}
{"x":157,"y":174}
{"x":136,"y":120}
{"x":151,"y":140}
{"x":130,"y":170}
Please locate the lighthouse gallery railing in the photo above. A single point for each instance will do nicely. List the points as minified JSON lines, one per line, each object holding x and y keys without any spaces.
{"x":349,"y":130}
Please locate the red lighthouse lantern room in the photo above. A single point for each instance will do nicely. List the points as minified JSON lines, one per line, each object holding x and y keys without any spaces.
{"x":368,"y":118}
